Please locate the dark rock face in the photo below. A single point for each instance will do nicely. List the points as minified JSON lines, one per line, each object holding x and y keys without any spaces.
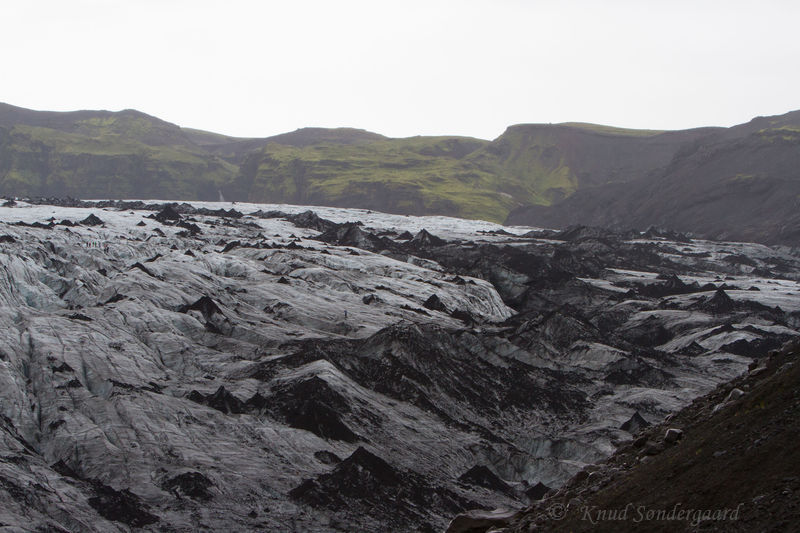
{"x":434,"y":304}
{"x":424,"y":239}
{"x":120,"y":506}
{"x":222,"y":400}
{"x":482,"y":476}
{"x":92,"y":220}
{"x":205,"y":305}
{"x":351,"y":234}
{"x":192,"y":484}
{"x":168,"y":213}
{"x":634,"y":424}
{"x":327,"y":457}
{"x":719,"y":303}
{"x":309,"y":219}
{"x":538,"y":491}
{"x":314,"y":406}
{"x":364,"y":480}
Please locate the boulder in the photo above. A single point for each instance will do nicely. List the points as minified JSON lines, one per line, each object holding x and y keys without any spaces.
{"x":673,"y":435}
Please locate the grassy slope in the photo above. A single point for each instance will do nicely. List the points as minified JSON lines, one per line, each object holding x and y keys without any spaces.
{"x":414,"y":175}
{"x":599,"y":128}
{"x":529,"y":164}
{"x":125,"y":154}
{"x":130,"y":154}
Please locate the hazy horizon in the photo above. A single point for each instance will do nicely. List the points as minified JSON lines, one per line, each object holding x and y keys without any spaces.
{"x":471,"y":68}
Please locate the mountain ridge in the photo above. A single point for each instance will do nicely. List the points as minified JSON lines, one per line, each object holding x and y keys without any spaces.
{"x":740,"y":183}
{"x":577,"y":167}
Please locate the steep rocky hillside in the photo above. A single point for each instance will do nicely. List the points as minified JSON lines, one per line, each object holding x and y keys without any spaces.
{"x":727,"y":462}
{"x":738,"y":184}
{"x":257,"y":367}
{"x":543,"y":163}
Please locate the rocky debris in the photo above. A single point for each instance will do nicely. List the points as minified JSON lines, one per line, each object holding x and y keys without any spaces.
{"x":144,"y":269}
{"x":434,"y":304}
{"x":92,"y":220}
{"x":673,"y":435}
{"x":221,"y":400}
{"x":424,"y":239}
{"x":718,"y":304}
{"x":314,"y":406}
{"x":366,"y":484}
{"x":118,"y":297}
{"x":230,"y":246}
{"x":192,"y":484}
{"x":309,"y":219}
{"x":224,"y":213}
{"x":370,"y":299}
{"x":464,"y":316}
{"x":168,"y":214}
{"x":352,"y":234}
{"x":671,"y":286}
{"x":538,"y":491}
{"x":735,"y":460}
{"x":205,"y":305}
{"x":479,"y":521}
{"x":739,"y":259}
{"x":734,"y":395}
{"x":328,"y":458}
{"x":654,"y":232}
{"x":580,"y":233}
{"x":7,"y":239}
{"x":634,"y":424}
{"x":482,"y":476}
{"x":190,"y":227}
{"x":120,"y":506}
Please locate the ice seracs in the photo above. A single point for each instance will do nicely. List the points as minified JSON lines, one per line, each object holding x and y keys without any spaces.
{"x":261,"y":367}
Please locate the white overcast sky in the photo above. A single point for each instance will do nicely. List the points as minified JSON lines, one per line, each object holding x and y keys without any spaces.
{"x":403,"y":68}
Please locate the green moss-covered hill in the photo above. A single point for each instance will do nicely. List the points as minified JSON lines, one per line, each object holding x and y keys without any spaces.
{"x":128,"y":154}
{"x":472,"y":178}
{"x":99,"y":154}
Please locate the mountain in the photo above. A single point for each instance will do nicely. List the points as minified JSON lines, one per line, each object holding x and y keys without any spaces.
{"x":100,"y":154}
{"x":736,"y":183}
{"x":742,"y":183}
{"x":456,"y":176}
{"x":220,"y":367}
